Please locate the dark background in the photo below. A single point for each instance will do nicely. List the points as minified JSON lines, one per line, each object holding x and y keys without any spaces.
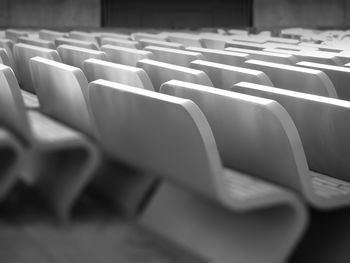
{"x":192,"y":14}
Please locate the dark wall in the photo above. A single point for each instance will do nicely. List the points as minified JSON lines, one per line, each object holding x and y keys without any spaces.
{"x":177,"y":14}
{"x":304,"y":13}
{"x":50,"y":13}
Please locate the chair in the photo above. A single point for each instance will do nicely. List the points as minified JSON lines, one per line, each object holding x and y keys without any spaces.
{"x":231,"y":207}
{"x":320,"y":123}
{"x":98,"y":69}
{"x":36,"y":42}
{"x":22,"y":53}
{"x":310,"y":55}
{"x":14,"y":34}
{"x":246,"y":45}
{"x":340,"y":76}
{"x":59,"y":160}
{"x":225,"y":76}
{"x":295,"y":78}
{"x":174,"y":56}
{"x":74,"y":42}
{"x":140,"y":35}
{"x":121,"y":43}
{"x":221,"y":56}
{"x":188,"y":40}
{"x":75,"y":56}
{"x":152,"y":42}
{"x":160,"y":72}
{"x":262,"y":141}
{"x":84,"y":37}
{"x":63,"y":94}
{"x":287,"y":59}
{"x":51,"y":35}
{"x":7,"y":44}
{"x":126,"y":56}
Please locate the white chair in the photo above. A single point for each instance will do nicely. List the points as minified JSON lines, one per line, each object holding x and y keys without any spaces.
{"x":275,"y":57}
{"x":204,"y":197}
{"x":125,"y":56}
{"x":295,"y":78}
{"x":98,"y":69}
{"x":36,"y":42}
{"x":174,"y":56}
{"x":74,"y":42}
{"x":59,"y":160}
{"x":225,"y":76}
{"x":22,"y":53}
{"x":320,"y":123}
{"x":121,"y":43}
{"x":75,"y":56}
{"x":160,"y":72}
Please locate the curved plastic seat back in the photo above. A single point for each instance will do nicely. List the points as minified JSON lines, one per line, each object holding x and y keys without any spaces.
{"x":221,"y":56}
{"x":75,"y":56}
{"x":225,"y":76}
{"x":160,"y":72}
{"x":36,"y":42}
{"x":174,"y":56}
{"x":137,"y":126}
{"x":75,"y":42}
{"x":62,"y":92}
{"x":152,"y":42}
{"x":287,"y":59}
{"x":295,"y":78}
{"x":120,"y":43}
{"x":98,"y":69}
{"x":320,"y":123}
{"x":22,"y":54}
{"x":12,"y":106}
{"x":340,"y":77}
{"x":126,"y":56}
{"x":254,"y":135}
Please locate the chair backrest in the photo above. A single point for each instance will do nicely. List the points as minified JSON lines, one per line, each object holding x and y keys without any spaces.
{"x":75,"y":56}
{"x":287,"y":59}
{"x":125,"y":56}
{"x":12,"y":109}
{"x":247,"y":45}
{"x":253,"y":135}
{"x":50,"y":35}
{"x":120,"y":42}
{"x":62,"y":92}
{"x":310,"y":55}
{"x":22,"y":53}
{"x":7,"y":44}
{"x":295,"y":78}
{"x":174,"y":56}
{"x":321,"y":47}
{"x":156,"y":132}
{"x":13,"y":34}
{"x":102,"y":35}
{"x":84,"y":36}
{"x":188,"y":40}
{"x":250,"y":38}
{"x":320,"y":123}
{"x":160,"y":72}
{"x":36,"y":42}
{"x":282,"y":40}
{"x":152,"y":42}
{"x":221,"y":56}
{"x":4,"y":58}
{"x":74,"y":42}
{"x":140,"y":35}
{"x":225,"y":76}
{"x":99,"y":69}
{"x":340,"y":77}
